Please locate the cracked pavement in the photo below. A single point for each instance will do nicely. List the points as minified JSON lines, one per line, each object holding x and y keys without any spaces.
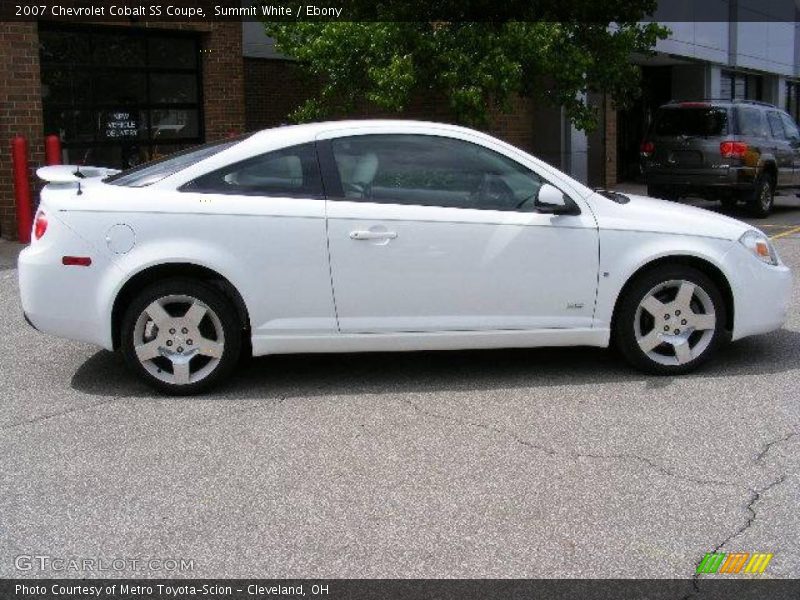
{"x":513,"y":463}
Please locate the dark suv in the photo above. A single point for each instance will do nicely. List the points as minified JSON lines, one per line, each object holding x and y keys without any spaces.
{"x":730,"y":151}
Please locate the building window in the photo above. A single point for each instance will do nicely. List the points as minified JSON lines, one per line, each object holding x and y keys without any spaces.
{"x":741,"y":86}
{"x":120,"y":97}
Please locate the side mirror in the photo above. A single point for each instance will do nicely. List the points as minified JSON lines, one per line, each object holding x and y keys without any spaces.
{"x":550,"y":200}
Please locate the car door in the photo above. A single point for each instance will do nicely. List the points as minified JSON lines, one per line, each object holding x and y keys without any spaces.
{"x":793,"y":136}
{"x":270,"y":209}
{"x":784,"y":153}
{"x":429,"y":233}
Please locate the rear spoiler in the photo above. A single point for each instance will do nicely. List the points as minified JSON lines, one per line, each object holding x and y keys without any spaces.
{"x":71,"y":176}
{"x":61,"y":174}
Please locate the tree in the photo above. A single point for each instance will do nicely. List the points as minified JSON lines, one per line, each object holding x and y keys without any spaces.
{"x":477,"y":66}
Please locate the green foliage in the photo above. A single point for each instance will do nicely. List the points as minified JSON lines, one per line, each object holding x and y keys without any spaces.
{"x":477,"y":66}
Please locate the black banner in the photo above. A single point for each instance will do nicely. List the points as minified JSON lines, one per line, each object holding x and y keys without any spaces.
{"x":198,"y":11}
{"x":405,"y":589}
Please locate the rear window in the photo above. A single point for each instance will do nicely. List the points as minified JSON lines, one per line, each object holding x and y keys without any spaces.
{"x":704,"y":121}
{"x":156,"y":170}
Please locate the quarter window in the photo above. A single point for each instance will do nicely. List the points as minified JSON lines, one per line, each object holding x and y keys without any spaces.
{"x":291,"y":172}
{"x":751,"y":122}
{"x":775,"y":126}
{"x":790,"y":127}
{"x":432,"y":171}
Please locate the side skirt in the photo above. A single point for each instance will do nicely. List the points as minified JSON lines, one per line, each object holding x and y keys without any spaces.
{"x":440,"y":340}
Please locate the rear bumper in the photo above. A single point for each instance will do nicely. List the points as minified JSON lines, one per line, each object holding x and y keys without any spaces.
{"x":63,"y":300}
{"x":740,"y":178}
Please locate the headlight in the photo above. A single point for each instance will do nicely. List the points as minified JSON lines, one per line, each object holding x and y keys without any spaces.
{"x":759,"y":244}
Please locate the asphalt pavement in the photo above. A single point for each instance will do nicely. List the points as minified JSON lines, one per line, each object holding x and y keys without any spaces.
{"x":513,"y":463}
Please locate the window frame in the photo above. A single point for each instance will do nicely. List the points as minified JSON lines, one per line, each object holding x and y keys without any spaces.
{"x":189,"y":186}
{"x":335,"y":190}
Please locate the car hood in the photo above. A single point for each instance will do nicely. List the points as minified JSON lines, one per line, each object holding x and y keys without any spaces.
{"x":647,"y":214}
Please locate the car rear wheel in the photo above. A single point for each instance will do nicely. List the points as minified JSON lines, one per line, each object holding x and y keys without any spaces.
{"x":181,"y":336}
{"x":762,"y":197}
{"x":670,"y":321}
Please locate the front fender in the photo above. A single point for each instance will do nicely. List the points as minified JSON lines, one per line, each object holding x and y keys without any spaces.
{"x":620,"y":260}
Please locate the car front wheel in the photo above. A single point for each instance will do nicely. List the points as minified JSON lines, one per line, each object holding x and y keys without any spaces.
{"x":670,"y":320}
{"x":181,"y":336}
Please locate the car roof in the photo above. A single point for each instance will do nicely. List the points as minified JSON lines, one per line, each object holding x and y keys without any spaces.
{"x":313,"y":129}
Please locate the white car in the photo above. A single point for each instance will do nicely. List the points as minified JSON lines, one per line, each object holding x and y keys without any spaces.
{"x":356,"y":236}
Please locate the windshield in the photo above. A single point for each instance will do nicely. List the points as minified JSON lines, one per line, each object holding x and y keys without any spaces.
{"x":156,"y":170}
{"x":706,"y":120}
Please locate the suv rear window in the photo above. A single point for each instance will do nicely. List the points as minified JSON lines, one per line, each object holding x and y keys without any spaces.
{"x":700,"y":120}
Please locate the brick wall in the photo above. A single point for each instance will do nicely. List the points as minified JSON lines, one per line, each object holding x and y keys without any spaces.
{"x":20,"y":109}
{"x":21,"y":99}
{"x":610,"y":126}
{"x":273,"y":88}
{"x":223,"y":80}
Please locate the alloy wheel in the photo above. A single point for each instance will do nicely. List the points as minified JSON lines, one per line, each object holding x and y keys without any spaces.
{"x":178,"y":339}
{"x":675,"y":322}
{"x":766,"y":197}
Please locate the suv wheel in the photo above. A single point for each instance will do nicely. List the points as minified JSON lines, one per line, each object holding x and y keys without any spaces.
{"x":181,"y":336}
{"x":670,"y":321}
{"x":763,"y":197}
{"x":662,"y":191}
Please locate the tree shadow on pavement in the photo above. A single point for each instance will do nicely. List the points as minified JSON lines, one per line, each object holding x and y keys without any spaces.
{"x":305,"y":375}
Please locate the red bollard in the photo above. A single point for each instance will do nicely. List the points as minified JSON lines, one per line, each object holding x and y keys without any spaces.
{"x":22,"y":188}
{"x":52,"y":150}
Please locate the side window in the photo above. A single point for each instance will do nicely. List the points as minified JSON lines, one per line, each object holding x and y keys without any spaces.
{"x":290,"y":172}
{"x":790,"y":127}
{"x":775,"y":125}
{"x":751,"y":122}
{"x":432,"y":171}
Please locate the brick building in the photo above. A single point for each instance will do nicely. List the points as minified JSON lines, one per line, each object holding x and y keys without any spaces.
{"x":118,"y":94}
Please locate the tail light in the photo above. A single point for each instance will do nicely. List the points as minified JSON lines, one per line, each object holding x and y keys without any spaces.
{"x":647,"y":148}
{"x":732,"y":149}
{"x":39,"y":225}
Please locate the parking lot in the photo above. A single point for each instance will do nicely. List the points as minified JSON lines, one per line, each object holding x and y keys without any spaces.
{"x":515,"y":463}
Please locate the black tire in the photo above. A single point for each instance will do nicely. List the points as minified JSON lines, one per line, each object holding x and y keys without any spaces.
{"x":625,"y":321}
{"x":226,"y":319}
{"x":761,"y":200}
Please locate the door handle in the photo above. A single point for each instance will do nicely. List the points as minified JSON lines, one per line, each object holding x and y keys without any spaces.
{"x":373,"y":235}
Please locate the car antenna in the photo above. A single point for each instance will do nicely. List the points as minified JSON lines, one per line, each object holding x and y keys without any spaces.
{"x":81,"y":175}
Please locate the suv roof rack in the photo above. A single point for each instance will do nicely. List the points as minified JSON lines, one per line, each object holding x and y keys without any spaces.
{"x":728,"y":100}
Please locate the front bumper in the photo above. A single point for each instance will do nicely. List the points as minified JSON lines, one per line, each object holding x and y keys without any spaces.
{"x":762,"y":293}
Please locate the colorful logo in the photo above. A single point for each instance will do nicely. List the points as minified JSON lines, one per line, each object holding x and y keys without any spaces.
{"x":720,"y":562}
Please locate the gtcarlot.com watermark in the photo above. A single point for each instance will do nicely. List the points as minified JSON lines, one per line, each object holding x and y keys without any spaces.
{"x":72,"y":564}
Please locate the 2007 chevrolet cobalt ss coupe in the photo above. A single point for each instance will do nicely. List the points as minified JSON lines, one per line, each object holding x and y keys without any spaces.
{"x":376,"y":236}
